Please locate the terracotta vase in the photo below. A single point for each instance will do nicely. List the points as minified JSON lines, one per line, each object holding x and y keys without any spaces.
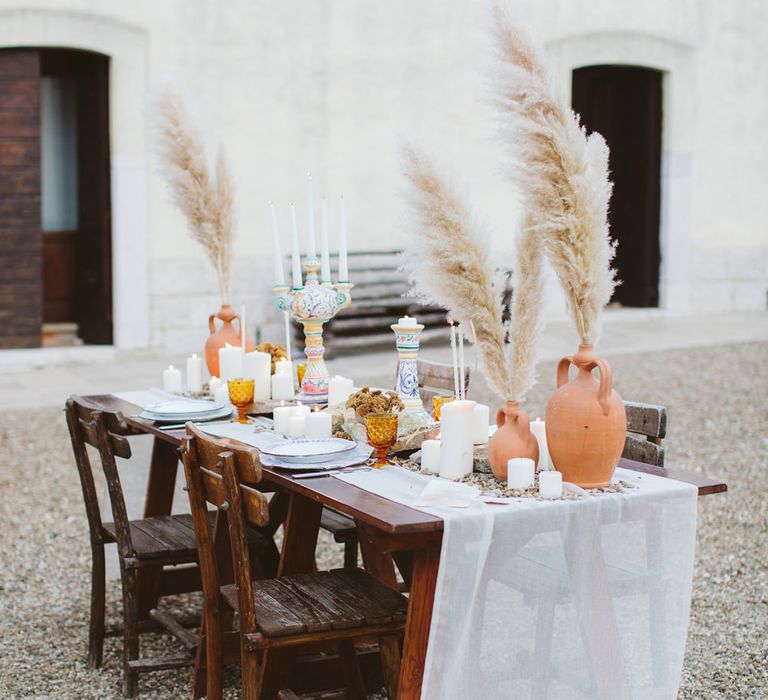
{"x":226,"y":333}
{"x":586,"y":421}
{"x":512,"y":439}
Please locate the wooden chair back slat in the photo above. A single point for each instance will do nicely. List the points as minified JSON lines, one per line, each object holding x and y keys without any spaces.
{"x":436,"y":378}
{"x":209,"y":450}
{"x":90,"y":425}
{"x":647,"y":426}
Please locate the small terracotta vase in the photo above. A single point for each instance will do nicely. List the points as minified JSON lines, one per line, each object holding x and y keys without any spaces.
{"x":512,"y":439}
{"x":226,"y":333}
{"x":586,"y":422}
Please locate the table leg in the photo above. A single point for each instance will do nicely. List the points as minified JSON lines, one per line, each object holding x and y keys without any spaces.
{"x":420,"y":601}
{"x":159,"y":500}
{"x":377,"y":563}
{"x":302,"y":524}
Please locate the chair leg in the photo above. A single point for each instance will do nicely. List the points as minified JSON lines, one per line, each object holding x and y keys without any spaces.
{"x":353,"y":678}
{"x":350,"y":553}
{"x":389,"y":648}
{"x":251,"y":673}
{"x":130,"y":632}
{"x":271,"y":674}
{"x":96,"y":628}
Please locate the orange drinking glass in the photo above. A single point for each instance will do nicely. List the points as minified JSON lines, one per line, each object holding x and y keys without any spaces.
{"x":382,"y":434}
{"x":241,"y":394}
{"x":437,"y":404}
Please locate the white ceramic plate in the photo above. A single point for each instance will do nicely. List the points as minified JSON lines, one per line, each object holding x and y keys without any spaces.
{"x":171,"y":409}
{"x":223,"y":412}
{"x":307,"y":451}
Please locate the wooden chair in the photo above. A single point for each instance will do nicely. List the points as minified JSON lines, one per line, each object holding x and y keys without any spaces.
{"x":141,"y":544}
{"x":277,"y":616}
{"x":435,"y":378}
{"x":649,"y":421}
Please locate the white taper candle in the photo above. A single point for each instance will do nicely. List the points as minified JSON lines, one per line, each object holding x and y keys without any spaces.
{"x":279,"y":272}
{"x":462,"y":386}
{"x":242,"y":328}
{"x":455,"y":361}
{"x":343,"y":266}
{"x":295,"y":254}
{"x":325,"y":256}
{"x":312,"y":252}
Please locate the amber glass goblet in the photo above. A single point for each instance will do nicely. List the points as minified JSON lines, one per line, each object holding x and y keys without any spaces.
{"x":241,"y":394}
{"x":382,"y":434}
{"x":437,"y":404}
{"x":300,"y":372}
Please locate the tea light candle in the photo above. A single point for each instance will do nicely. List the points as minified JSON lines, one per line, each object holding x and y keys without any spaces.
{"x":408,"y":322}
{"x":539,"y":430}
{"x":221,"y":395}
{"x":296,"y":426}
{"x":213,"y":384}
{"x":520,"y":473}
{"x":194,"y":374}
{"x":280,"y":416}
{"x":230,"y":362}
{"x":481,"y":420}
{"x":282,"y":386}
{"x":339,"y":390}
{"x":430,"y":456}
{"x":456,"y":453}
{"x":172,"y":380}
{"x":258,"y":366}
{"x":317,"y":425}
{"x":550,"y":484}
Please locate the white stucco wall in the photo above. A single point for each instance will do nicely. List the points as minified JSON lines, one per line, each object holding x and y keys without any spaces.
{"x":329,"y":87}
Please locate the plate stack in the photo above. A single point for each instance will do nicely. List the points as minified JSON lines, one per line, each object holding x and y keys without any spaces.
{"x":319,"y":453}
{"x":184,"y":410}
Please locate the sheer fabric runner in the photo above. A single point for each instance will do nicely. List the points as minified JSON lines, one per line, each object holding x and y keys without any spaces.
{"x":560,"y":599}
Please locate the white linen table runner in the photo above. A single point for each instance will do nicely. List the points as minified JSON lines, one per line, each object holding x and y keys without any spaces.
{"x":564,"y":599}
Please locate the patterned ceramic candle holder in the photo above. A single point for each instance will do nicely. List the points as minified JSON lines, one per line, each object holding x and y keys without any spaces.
{"x":241,"y":394}
{"x":382,"y":434}
{"x":407,"y":387}
{"x":312,"y":305}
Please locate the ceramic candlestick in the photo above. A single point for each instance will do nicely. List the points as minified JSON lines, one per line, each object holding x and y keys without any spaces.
{"x":407,"y":335}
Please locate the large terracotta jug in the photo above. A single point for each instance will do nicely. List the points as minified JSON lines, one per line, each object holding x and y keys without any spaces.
{"x":513,"y":438}
{"x":226,"y":333}
{"x":586,"y":421}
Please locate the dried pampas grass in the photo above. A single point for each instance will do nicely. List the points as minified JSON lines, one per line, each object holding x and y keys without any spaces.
{"x":205,"y":200}
{"x":561,"y":172}
{"x":447,"y":260}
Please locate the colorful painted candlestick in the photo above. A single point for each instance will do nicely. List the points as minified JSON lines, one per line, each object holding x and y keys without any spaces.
{"x":407,"y":337}
{"x":312,"y":305}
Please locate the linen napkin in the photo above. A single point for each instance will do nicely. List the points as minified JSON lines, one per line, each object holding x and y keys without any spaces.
{"x":146,"y":397}
{"x":242,"y":432}
{"x":447,"y":494}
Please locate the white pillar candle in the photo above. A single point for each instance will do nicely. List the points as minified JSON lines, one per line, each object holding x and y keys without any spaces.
{"x":325,"y":253}
{"x":312,"y":252}
{"x":520,"y":472}
{"x":481,"y":421}
{"x":295,"y":254}
{"x":539,"y":430}
{"x":172,"y":380}
{"x":456,"y":453}
{"x":339,"y":390}
{"x":195,"y":374}
{"x":258,"y":366}
{"x":408,"y":322}
{"x":430,"y":456}
{"x":300,"y":410}
{"x":213,"y":384}
{"x":282,"y":386}
{"x":296,"y":425}
{"x":317,"y":425}
{"x":283,"y":367}
{"x":221,"y":395}
{"x":230,"y":362}
{"x":280,"y":416}
{"x":277,"y":253}
{"x":343,"y":267}
{"x":550,"y":484}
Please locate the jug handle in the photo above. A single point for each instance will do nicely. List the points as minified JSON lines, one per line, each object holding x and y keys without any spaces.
{"x":211,"y":324}
{"x":501,"y":417}
{"x":606,"y":378}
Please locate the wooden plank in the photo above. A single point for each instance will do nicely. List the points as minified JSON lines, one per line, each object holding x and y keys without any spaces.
{"x":705,"y":485}
{"x":642,"y":450}
{"x":646,"y":419}
{"x":272,"y":616}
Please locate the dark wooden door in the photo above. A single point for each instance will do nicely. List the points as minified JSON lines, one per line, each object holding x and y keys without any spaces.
{"x":623,"y":103}
{"x":21,"y":296}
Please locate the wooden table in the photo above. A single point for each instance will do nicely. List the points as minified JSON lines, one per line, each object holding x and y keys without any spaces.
{"x":388,"y":530}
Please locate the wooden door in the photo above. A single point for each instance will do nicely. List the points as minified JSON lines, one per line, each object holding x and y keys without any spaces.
{"x":623,"y":103}
{"x":21,"y":312}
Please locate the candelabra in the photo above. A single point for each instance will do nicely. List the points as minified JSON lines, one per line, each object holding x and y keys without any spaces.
{"x":312,"y":305}
{"x":407,"y":340}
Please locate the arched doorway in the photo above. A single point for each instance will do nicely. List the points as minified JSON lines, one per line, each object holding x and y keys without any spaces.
{"x":624,"y":104}
{"x":56,"y":285}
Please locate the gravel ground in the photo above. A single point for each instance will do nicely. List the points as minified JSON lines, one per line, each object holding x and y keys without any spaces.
{"x":717,"y":424}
